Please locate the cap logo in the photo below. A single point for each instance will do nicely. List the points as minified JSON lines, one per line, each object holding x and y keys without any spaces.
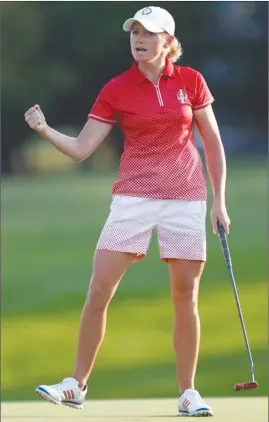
{"x":147,"y":11}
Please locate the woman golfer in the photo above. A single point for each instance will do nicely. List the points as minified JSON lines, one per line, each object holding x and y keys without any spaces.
{"x":160,"y":187}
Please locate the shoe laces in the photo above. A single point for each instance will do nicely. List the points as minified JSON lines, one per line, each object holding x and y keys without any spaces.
{"x":60,"y":384}
{"x":197,"y":396}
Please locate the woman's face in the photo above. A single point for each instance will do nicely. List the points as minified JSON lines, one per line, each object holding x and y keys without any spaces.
{"x":147,"y":46}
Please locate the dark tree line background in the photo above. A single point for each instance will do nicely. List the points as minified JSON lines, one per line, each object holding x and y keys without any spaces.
{"x":60,"y":54}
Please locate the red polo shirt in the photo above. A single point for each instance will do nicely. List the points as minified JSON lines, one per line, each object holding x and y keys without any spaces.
{"x":160,"y":158}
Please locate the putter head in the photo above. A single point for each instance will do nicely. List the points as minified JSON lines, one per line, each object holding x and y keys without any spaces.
{"x":246,"y":386}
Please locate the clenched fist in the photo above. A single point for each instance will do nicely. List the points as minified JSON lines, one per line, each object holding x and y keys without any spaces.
{"x":36,"y":119}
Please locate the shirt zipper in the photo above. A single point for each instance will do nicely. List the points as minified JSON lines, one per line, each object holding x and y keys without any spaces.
{"x":158,"y":92}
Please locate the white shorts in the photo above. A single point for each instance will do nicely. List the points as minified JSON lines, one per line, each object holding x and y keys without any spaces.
{"x":180,"y":227}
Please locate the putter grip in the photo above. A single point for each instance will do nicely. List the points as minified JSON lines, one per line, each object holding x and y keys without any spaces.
{"x":225,"y":246}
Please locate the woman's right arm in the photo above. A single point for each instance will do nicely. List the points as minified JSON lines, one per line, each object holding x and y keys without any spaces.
{"x":80,"y":148}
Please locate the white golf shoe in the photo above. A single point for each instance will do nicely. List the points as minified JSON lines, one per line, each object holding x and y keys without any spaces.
{"x":66,"y":392}
{"x":191,"y":404}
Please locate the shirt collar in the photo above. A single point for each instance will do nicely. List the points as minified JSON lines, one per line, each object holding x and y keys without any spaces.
{"x":138,"y":77}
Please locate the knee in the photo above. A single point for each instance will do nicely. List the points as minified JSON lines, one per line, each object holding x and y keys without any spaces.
{"x":99,"y":295}
{"x":185,"y":292}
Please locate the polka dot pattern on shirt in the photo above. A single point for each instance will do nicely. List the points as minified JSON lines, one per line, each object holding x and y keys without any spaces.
{"x":160,"y":158}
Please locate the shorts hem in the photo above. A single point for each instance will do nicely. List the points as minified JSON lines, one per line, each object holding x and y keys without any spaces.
{"x":165,"y":259}
{"x":138,"y":255}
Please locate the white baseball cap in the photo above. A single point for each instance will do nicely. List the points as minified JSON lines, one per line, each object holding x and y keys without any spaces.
{"x":154,"y":19}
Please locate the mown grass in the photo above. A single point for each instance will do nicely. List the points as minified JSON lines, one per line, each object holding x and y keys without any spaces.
{"x":50,"y":227}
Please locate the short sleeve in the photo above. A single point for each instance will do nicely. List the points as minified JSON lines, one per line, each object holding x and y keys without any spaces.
{"x":104,"y":108}
{"x":203,"y":96}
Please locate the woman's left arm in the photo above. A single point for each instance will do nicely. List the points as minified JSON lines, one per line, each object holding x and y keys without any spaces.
{"x":216,"y":164}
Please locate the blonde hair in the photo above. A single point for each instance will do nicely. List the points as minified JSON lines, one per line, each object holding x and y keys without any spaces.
{"x":175,"y":51}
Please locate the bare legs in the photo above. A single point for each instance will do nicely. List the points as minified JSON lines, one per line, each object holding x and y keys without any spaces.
{"x":108,"y":269}
{"x":185,"y":277}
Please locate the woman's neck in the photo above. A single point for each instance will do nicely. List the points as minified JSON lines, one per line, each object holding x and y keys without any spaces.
{"x":152,"y":70}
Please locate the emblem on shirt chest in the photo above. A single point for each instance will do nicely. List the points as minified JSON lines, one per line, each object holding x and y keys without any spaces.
{"x":182,"y":96}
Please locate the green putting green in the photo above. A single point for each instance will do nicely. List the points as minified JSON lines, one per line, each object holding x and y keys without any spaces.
{"x":153,"y":410}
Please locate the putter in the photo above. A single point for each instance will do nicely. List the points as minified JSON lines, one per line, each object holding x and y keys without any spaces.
{"x":224,"y":243}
